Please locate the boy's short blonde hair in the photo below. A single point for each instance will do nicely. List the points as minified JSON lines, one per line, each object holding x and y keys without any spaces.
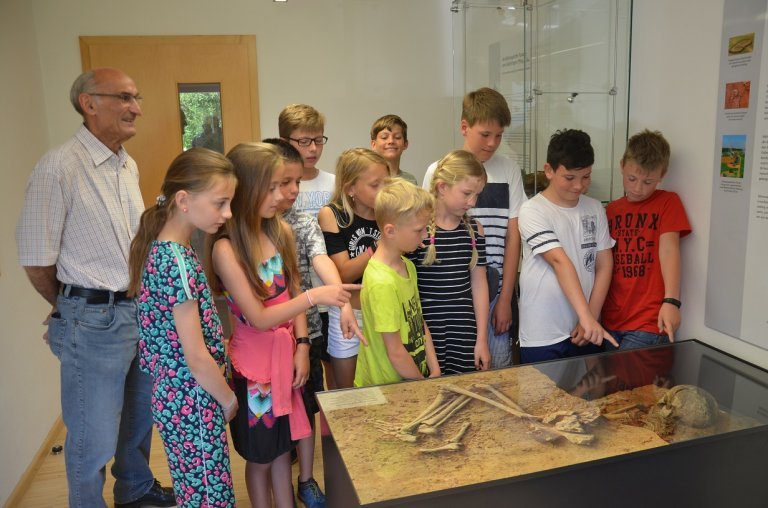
{"x":399,"y":201}
{"x":649,"y":150}
{"x":299,"y":116}
{"x":485,"y":105}
{"x":388,"y":122}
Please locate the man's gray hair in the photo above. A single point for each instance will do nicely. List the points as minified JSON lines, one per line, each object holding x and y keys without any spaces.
{"x":85,"y":83}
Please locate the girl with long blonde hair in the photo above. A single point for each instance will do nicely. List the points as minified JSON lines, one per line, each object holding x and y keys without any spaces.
{"x":350,"y":232}
{"x":451,"y":267}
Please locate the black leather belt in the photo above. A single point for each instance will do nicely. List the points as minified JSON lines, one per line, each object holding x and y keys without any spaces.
{"x":94,"y":296}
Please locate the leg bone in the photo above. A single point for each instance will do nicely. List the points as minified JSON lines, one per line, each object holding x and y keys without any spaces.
{"x":437,"y":405}
{"x":570,"y":436}
{"x":430,"y":425}
{"x":453,"y":445}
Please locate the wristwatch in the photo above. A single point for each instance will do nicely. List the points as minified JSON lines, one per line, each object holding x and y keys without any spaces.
{"x":674,"y":301}
{"x":302,"y":340}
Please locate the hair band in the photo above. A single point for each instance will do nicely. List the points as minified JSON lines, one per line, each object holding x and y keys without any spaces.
{"x":160,"y":200}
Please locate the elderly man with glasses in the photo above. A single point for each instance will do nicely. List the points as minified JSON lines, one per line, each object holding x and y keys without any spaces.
{"x":82,"y":207}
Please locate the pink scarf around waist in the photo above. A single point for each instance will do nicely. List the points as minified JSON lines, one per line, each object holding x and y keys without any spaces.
{"x":267,"y":357}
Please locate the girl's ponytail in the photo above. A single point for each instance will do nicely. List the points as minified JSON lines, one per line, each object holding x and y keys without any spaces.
{"x":152,"y":221}
{"x":429,"y":258}
{"x":192,"y":171}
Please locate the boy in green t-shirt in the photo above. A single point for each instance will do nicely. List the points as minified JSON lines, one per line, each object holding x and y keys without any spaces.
{"x":399,"y":343}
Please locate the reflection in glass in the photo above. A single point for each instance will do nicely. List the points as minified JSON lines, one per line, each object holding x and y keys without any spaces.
{"x":200,"y":106}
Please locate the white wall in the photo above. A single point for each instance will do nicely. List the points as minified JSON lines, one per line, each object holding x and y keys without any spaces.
{"x":674,"y":83}
{"x":353,"y":59}
{"x":29,"y":373}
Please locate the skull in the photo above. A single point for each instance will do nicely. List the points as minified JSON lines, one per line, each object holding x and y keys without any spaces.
{"x":690,"y":405}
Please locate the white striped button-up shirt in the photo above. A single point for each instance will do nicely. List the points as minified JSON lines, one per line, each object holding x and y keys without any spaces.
{"x":82,"y":208}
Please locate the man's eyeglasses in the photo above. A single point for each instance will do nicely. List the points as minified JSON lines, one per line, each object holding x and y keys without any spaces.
{"x":318,"y":141}
{"x":124,"y":97}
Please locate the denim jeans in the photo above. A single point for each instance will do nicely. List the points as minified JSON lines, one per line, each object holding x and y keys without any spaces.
{"x":562,"y":349}
{"x":499,"y":345}
{"x":105,"y":399}
{"x":631,"y":339}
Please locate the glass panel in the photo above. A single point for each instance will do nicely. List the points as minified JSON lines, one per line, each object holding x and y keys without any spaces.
{"x":573,"y":50}
{"x":589,"y":112}
{"x":200,"y":106}
{"x":490,"y":51}
{"x":560,"y":64}
{"x":580,"y":62}
{"x":525,"y":422}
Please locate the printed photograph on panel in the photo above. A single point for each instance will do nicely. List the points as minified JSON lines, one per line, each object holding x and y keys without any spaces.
{"x":741,"y":44}
{"x":733,"y":155}
{"x":737,"y":95}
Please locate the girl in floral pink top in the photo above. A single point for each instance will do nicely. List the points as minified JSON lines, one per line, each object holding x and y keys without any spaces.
{"x":254,"y":261}
{"x":180,"y":338}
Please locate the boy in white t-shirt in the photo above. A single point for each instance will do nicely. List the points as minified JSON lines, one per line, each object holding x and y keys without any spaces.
{"x":484,"y":116}
{"x":567,"y":259}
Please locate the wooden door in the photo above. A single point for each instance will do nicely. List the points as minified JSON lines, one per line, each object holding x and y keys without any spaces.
{"x":158,"y":65}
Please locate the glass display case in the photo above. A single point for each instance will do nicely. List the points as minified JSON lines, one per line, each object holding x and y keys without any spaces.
{"x":560,"y":64}
{"x":675,"y":425}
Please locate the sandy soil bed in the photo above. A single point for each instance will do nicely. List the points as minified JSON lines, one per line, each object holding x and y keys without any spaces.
{"x":497,"y":445}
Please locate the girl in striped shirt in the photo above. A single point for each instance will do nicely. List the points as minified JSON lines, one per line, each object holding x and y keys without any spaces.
{"x":451,"y":267}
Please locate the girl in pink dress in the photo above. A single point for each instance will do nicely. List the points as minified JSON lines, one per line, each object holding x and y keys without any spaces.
{"x":254,"y":261}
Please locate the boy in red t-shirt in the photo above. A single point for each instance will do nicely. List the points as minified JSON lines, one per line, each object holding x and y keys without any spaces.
{"x":643,"y":303}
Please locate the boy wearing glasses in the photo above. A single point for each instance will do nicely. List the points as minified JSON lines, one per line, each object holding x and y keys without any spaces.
{"x":302,"y":126}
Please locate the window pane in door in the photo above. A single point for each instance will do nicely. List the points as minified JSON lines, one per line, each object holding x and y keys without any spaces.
{"x":201,"y":122}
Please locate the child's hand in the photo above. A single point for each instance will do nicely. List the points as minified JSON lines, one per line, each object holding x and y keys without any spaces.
{"x":434,"y":373}
{"x":594,"y":333}
{"x":349,"y":327}
{"x":231,"y":410}
{"x":482,"y":355}
{"x":300,"y":365}
{"x":577,"y":336}
{"x":332,"y":294}
{"x":593,"y":383}
{"x":502,"y":317}
{"x":669,"y":320}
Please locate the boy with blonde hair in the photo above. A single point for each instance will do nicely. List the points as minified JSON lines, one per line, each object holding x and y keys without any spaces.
{"x":302,"y":126}
{"x":484,"y":116}
{"x":389,"y":138}
{"x":643,"y":303}
{"x":399,"y":344}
